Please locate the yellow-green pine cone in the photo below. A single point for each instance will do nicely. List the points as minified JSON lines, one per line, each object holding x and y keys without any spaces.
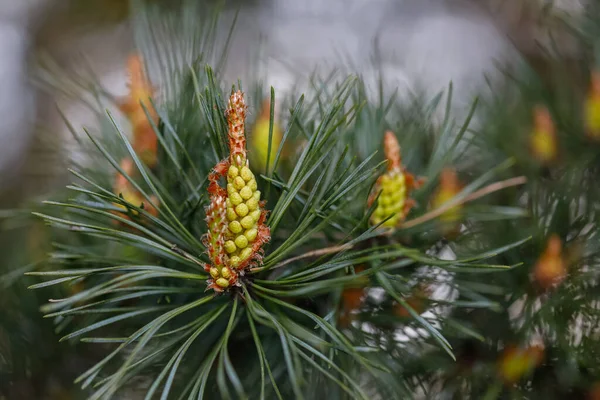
{"x":391,"y":200}
{"x":243,"y":213}
{"x":215,"y":242}
{"x":592,"y":106}
{"x":592,"y":116}
{"x":259,"y":139}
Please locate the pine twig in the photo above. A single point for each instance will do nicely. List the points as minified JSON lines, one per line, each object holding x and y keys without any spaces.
{"x":494,"y":187}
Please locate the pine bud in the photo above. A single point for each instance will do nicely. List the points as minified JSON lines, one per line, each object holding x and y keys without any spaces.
{"x":449,"y":187}
{"x":243,"y":214}
{"x":543,"y":142}
{"x":126,"y":190}
{"x":241,"y":229}
{"x":417,"y":301}
{"x":351,"y":301}
{"x":592,"y":107}
{"x":215,"y":241}
{"x":516,"y":363}
{"x":550,"y":269}
{"x":259,"y":139}
{"x":395,"y":187}
{"x":236,"y":117}
{"x":145,"y":142}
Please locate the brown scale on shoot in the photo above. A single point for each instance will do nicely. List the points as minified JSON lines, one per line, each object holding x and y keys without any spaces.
{"x":236,"y":215}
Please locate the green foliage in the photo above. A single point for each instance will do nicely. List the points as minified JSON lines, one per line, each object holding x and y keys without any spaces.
{"x":143,"y":276}
{"x":136,"y":281}
{"x":560,"y":198}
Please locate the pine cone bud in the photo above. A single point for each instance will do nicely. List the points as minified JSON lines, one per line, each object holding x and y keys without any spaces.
{"x":395,"y":186}
{"x":351,"y":301}
{"x":391,"y":200}
{"x":592,"y":107}
{"x":449,"y":187}
{"x":145,"y":142}
{"x":550,"y":269}
{"x":543,"y":143}
{"x":516,"y":363}
{"x":241,"y":229}
{"x":222,"y":277}
{"x":236,"y":116}
{"x":391,"y":149}
{"x":259,"y":139}
{"x":243,"y":214}
{"x":417,"y":301}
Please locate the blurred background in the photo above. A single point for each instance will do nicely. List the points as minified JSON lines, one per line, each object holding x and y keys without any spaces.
{"x":424,"y":44}
{"x":415,"y":44}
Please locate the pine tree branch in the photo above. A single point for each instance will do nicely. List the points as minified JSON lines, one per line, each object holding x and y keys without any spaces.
{"x":494,"y":187}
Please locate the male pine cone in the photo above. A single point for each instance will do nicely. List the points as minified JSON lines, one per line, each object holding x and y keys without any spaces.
{"x":243,"y":213}
{"x":236,"y":216}
{"x":395,"y":187}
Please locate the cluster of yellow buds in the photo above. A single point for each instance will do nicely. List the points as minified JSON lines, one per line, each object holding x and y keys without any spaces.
{"x":236,"y":216}
{"x":395,"y":187}
{"x":592,"y":107}
{"x":216,"y":221}
{"x":243,"y":214}
{"x":550,"y":269}
{"x":124,"y":188}
{"x":259,"y":139}
{"x":516,"y":363}
{"x":543,"y":142}
{"x":145,"y":142}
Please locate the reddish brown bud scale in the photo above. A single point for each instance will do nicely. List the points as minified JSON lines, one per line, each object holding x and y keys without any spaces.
{"x":236,"y":116}
{"x":391,"y":148}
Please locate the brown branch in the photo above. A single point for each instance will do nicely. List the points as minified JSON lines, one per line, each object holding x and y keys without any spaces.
{"x":494,"y":187}
{"x":314,"y":253}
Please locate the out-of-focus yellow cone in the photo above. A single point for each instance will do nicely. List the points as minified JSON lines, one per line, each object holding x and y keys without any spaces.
{"x":517,"y":363}
{"x":550,"y":269}
{"x":543,"y":143}
{"x":592,"y":107}
{"x":449,"y":187}
{"x":259,"y":140}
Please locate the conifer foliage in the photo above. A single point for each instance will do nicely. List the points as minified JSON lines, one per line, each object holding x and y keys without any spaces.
{"x":330,"y":270}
